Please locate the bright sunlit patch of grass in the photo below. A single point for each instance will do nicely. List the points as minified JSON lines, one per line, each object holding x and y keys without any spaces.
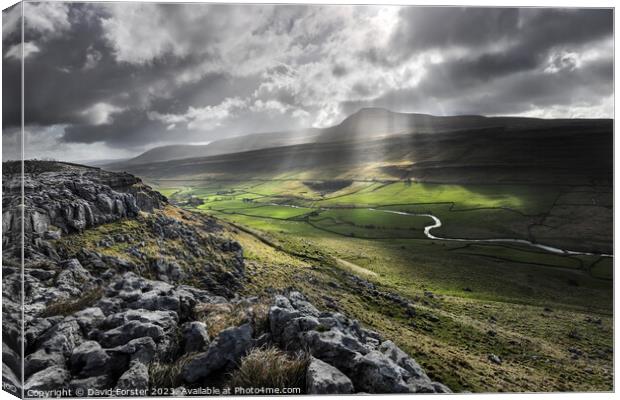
{"x":276,"y":212}
{"x":462,"y":196}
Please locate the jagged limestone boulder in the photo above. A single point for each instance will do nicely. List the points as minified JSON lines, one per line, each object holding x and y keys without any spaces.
{"x":62,"y":338}
{"x":136,"y":377}
{"x":195,"y":336}
{"x":42,"y":359}
{"x":142,"y":349}
{"x":375,"y":373}
{"x":322,"y":378}
{"x":90,"y":318}
{"x":223,"y":353}
{"x":89,"y":359}
{"x":54,"y":377}
{"x":131,"y":330}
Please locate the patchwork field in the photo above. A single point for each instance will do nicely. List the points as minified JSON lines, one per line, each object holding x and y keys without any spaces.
{"x":547,"y":315}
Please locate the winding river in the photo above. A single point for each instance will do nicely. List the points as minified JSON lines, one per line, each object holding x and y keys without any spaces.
{"x":437,"y":224}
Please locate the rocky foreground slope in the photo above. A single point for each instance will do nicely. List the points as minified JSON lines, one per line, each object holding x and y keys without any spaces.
{"x":128,"y":295}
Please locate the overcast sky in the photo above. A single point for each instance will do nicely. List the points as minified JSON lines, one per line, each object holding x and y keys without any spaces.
{"x":109,"y":80}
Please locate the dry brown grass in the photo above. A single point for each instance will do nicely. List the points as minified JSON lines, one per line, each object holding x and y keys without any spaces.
{"x":178,"y":214}
{"x":168,"y":375}
{"x":69,"y":306}
{"x":271,"y":368}
{"x":218,"y":317}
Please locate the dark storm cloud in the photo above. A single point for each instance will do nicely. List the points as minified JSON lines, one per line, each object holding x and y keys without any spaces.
{"x":516,"y":94}
{"x":61,"y":84}
{"x":73,"y":73}
{"x":429,"y":27}
{"x":133,"y":75}
{"x":524,"y":36}
{"x":132,"y":126}
{"x":11,"y":71}
{"x":518,"y":45}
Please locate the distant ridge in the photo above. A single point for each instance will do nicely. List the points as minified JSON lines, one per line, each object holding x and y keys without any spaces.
{"x":167,"y":153}
{"x":365,"y":124}
{"x":376,"y":122}
{"x":236,"y":144}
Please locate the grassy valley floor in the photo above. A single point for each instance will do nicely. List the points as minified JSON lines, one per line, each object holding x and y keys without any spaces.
{"x":452,"y":305}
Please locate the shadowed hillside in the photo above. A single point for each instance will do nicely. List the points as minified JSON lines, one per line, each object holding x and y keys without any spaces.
{"x":519,"y":151}
{"x":222,"y":146}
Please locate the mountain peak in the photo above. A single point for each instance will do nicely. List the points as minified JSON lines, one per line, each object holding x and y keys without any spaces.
{"x":365,"y":110}
{"x":371,"y":112}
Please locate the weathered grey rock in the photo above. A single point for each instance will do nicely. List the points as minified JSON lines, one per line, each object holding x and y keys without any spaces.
{"x":89,"y":359}
{"x":73,"y":277}
{"x":167,"y":271}
{"x":105,"y":203}
{"x":334,"y":347}
{"x":282,"y":302}
{"x":375,"y":373}
{"x":156,"y":301}
{"x":53,"y":235}
{"x":441,"y":388}
{"x":165,"y":319}
{"x":145,"y":201}
{"x":413,"y":374}
{"x":71,"y":198}
{"x":322,"y":378}
{"x":53,"y":377}
{"x":89,"y":318}
{"x":40,"y":360}
{"x":421,"y":387}
{"x":11,"y":358}
{"x":39,"y":221}
{"x":195,"y":336}
{"x":136,"y":377}
{"x":131,"y":330}
{"x":110,"y":305}
{"x":92,"y":382}
{"x":40,"y":274}
{"x":280,"y":317}
{"x":61,"y":338}
{"x":495,"y":359}
{"x":35,"y":329}
{"x":161,"y":326}
{"x":293,"y":332}
{"x":414,"y":371}
{"x":223,"y":353}
{"x":142,"y":349}
{"x":11,"y":328}
{"x":300,"y":303}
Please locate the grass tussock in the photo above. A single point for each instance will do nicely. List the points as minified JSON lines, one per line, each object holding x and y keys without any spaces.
{"x":168,"y":375}
{"x":218,"y":317}
{"x":68,"y":306}
{"x":270,"y":367}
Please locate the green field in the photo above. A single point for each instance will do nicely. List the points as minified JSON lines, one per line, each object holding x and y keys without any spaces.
{"x":512,"y":285}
